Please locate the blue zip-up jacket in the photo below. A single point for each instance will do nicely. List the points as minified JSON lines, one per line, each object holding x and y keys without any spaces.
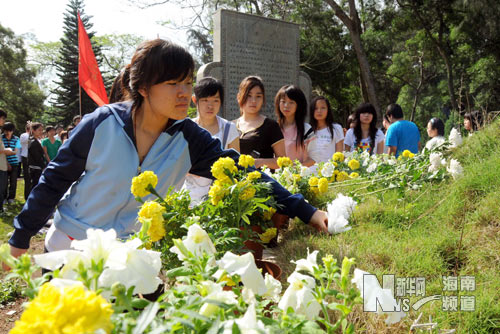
{"x":88,"y":183}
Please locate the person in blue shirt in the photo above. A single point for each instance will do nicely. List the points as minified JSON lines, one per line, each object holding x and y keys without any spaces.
{"x":12,"y":143}
{"x":88,"y":182}
{"x":401,"y":135}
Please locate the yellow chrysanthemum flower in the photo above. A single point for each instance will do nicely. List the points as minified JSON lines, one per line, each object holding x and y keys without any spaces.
{"x":338,"y":156}
{"x":254,"y":175}
{"x":154,"y":212}
{"x":353,"y":175}
{"x":220,"y":167}
{"x":216,"y":192}
{"x":313,"y":181}
{"x":342,"y":176}
{"x":297,"y":177}
{"x":406,"y":153}
{"x":353,"y":164}
{"x":141,"y":182}
{"x":246,"y":161}
{"x":268,"y":235}
{"x":269,"y":214}
{"x":284,"y":162}
{"x":411,"y":155}
{"x":65,"y":310}
{"x":322,"y":185}
{"x":247,"y":193}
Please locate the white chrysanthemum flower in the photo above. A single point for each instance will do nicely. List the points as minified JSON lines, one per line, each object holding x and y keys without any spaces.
{"x":455,"y":138}
{"x":339,"y":211}
{"x":305,"y":171}
{"x":436,"y":161}
{"x":328,"y":169}
{"x":455,"y":169}
{"x":372,"y":167}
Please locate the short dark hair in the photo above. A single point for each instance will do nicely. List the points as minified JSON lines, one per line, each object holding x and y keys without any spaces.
{"x":475,"y":117}
{"x":59,"y":126}
{"x":207,"y":87}
{"x":395,"y":111}
{"x":77,"y":117}
{"x":35,"y":126}
{"x":154,"y":62}
{"x":3,"y":113}
{"x":64,"y":134}
{"x":48,"y":128}
{"x":9,"y":126}
{"x":437,"y":124}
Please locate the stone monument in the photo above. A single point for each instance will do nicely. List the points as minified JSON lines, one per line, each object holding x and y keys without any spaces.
{"x":246,"y":45}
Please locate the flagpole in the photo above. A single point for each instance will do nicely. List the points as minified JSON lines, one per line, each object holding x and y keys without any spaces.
{"x":79,"y":86}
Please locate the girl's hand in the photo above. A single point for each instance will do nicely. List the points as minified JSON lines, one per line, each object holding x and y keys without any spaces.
{"x":15,"y":252}
{"x":319,"y":221}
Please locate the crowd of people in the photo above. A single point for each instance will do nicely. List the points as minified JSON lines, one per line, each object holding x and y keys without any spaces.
{"x":86,"y":178}
{"x":27,"y":156}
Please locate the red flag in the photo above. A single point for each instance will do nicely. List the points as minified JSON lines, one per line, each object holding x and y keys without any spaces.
{"x":89,"y":75}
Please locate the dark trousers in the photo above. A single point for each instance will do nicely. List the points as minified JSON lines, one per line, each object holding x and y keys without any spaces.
{"x":3,"y":187}
{"x":12,"y":180}
{"x":27,"y":178}
{"x":35,"y":176}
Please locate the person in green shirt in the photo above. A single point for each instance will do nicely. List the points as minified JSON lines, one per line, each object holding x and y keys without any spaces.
{"x":51,"y":144}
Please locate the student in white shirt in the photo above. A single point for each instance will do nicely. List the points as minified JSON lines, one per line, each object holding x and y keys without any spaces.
{"x":329,"y":135}
{"x":365,"y":135}
{"x":435,"y":130}
{"x":208,"y":97}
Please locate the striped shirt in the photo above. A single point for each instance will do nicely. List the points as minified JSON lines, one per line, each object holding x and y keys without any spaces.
{"x":12,"y":143}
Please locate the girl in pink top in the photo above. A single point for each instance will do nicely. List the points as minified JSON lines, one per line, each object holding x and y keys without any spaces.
{"x":291,"y":108}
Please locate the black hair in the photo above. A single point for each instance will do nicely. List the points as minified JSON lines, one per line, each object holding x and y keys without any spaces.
{"x":35,"y":126}
{"x":77,"y":117}
{"x":395,"y":111}
{"x":3,"y":113}
{"x":362,"y":109}
{"x":475,"y":118}
{"x":296,"y":94}
{"x":207,"y":87}
{"x":59,"y":126}
{"x":9,"y":126}
{"x":116,"y":93}
{"x":329,"y":114}
{"x":48,"y":128}
{"x":154,"y":62}
{"x":437,"y":124}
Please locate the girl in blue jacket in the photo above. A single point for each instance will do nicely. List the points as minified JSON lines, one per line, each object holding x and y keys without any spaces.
{"x":88,"y":183}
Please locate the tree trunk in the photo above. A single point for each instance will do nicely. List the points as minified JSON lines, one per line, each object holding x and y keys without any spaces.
{"x":352,"y":23}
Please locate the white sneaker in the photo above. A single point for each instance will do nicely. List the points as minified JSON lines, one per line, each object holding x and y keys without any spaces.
{"x":11,"y":201}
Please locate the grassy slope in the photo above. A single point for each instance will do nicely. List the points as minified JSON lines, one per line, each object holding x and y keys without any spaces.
{"x":420,"y":235}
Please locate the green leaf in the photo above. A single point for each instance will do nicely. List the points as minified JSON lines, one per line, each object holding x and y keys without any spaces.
{"x":180,"y":271}
{"x":145,"y":318}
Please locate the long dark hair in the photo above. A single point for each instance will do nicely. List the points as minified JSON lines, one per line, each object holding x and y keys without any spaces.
{"x":296,"y":94}
{"x":438,"y":125}
{"x":361,"y":109}
{"x":154,"y":62}
{"x":329,"y":114}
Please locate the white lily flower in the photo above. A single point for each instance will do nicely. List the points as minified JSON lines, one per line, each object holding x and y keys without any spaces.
{"x":455,"y":138}
{"x":339,"y":211}
{"x":309,"y":263}
{"x":132,"y":267}
{"x":244,"y":266}
{"x":328,"y":169}
{"x":455,"y":169}
{"x":377,"y":298}
{"x":197,"y":242}
{"x":215,"y":292}
{"x":248,"y":324}
{"x":273,"y":287}
{"x":299,"y":296}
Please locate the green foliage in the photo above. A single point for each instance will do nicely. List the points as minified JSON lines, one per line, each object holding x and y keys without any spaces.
{"x":20,"y":96}
{"x":10,"y":290}
{"x":66,"y":99}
